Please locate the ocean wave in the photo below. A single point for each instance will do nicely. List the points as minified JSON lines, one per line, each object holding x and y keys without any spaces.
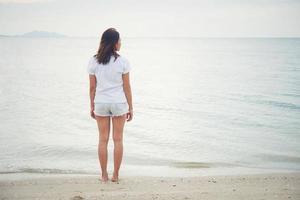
{"x":44,"y":171}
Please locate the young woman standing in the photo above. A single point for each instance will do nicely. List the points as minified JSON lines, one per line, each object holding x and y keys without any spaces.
{"x":110,"y":97}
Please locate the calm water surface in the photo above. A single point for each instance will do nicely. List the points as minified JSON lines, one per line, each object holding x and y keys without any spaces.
{"x":202,"y":106}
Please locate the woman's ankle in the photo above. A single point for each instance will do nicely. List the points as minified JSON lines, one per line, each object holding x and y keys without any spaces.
{"x":116,"y":173}
{"x":104,"y":173}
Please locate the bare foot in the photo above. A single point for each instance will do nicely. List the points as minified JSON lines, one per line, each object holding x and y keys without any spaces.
{"x":104,"y":177}
{"x":115,"y":177}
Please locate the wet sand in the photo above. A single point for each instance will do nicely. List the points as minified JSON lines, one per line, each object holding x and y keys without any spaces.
{"x":232,"y":187}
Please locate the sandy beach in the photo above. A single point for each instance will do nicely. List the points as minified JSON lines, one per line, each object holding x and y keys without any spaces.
{"x":257,"y":186}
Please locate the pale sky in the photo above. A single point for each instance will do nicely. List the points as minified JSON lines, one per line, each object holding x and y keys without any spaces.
{"x":141,"y":18}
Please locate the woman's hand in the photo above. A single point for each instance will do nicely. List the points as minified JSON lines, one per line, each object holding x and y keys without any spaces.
{"x":92,"y":112}
{"x":129,"y":115}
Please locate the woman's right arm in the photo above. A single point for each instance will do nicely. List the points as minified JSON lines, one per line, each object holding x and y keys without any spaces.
{"x":127,"y":90}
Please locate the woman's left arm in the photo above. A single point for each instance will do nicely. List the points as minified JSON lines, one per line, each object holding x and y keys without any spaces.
{"x":92,"y":93}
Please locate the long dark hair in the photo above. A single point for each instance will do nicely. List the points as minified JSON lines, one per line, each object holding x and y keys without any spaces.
{"x":107,"y":46}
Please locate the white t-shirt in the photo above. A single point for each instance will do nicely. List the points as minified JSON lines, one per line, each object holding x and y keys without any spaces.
{"x":109,"y":88}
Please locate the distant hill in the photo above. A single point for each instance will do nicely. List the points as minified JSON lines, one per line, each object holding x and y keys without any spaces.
{"x":37,"y":34}
{"x":42,"y":34}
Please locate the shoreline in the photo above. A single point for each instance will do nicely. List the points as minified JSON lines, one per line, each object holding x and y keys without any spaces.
{"x":245,"y":186}
{"x":144,"y":170}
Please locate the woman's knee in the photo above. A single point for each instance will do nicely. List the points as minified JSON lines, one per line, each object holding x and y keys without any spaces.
{"x":103,"y":140}
{"x":117,"y":138}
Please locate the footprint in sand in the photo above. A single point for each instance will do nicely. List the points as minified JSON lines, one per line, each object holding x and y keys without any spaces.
{"x":77,"y":198}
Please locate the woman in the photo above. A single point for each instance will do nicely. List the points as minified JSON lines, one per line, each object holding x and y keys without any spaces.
{"x":110,"y":97}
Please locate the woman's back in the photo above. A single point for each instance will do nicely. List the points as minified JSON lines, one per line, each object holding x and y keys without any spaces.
{"x":109,"y":87}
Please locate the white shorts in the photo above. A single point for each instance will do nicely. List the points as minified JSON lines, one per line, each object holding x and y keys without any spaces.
{"x":111,"y":109}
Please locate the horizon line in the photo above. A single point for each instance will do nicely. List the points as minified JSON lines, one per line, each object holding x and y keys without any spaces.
{"x":69,"y":36}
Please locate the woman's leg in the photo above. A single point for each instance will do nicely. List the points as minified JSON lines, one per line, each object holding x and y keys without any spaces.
{"x":104,"y":129}
{"x":118,"y":125}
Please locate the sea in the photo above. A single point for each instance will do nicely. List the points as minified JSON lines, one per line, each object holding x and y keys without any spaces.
{"x":202,"y":106}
